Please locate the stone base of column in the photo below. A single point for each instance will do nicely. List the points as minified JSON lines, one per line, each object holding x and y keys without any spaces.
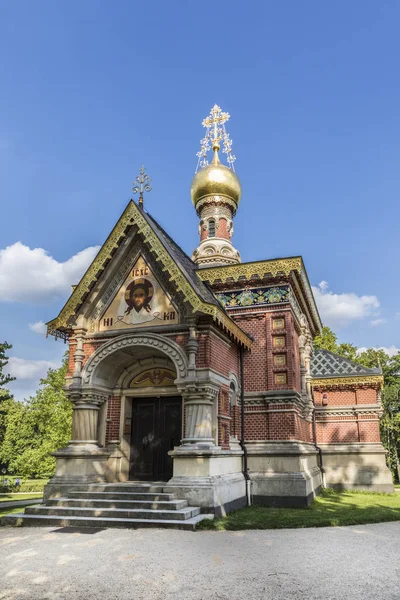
{"x":208,"y":477}
{"x":80,"y":463}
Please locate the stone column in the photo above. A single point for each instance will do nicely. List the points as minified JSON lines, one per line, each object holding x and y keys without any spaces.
{"x":198,"y":409}
{"x":305,"y":349}
{"x":82,"y":461}
{"x":79,"y":334}
{"x":85,"y":419}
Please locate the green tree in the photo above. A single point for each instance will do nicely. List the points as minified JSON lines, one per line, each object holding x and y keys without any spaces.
{"x":328,"y":341}
{"x":390,"y":365}
{"x":5,"y":379}
{"x":5,"y":397}
{"x":38,"y":427}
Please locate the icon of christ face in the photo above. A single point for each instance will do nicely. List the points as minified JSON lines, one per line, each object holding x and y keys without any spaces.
{"x":138,"y":295}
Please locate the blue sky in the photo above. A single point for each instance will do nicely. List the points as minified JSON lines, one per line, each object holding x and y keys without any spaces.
{"x":90,"y":90}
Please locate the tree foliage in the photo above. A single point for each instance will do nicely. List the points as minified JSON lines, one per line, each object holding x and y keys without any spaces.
{"x":328,"y":341}
{"x":37,"y":427}
{"x":5,"y":397}
{"x":5,"y":379}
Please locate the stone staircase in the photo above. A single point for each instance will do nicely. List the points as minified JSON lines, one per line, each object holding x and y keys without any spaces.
{"x":128,"y":505}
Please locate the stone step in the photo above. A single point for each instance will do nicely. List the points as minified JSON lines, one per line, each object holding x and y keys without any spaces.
{"x":121,"y":496}
{"x":119,"y":487}
{"x":107,"y":503}
{"x":22,"y":520}
{"x":118,"y":513}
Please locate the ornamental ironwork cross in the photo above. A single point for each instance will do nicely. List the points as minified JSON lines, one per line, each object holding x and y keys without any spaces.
{"x":141,"y":184}
{"x":215,"y":133}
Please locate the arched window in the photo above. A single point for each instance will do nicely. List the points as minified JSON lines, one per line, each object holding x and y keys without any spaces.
{"x":211,"y":228}
{"x":233,"y":394}
{"x":233,"y":411}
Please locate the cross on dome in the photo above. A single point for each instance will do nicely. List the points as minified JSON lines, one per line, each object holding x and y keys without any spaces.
{"x":215,"y":133}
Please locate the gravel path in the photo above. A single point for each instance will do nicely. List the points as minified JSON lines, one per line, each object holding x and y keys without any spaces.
{"x":360,"y":562}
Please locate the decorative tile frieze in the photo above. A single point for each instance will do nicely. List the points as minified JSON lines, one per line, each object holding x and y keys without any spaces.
{"x":254,"y":297}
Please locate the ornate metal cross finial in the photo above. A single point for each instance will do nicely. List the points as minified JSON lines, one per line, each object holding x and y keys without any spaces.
{"x":215,"y":132}
{"x":141,"y":184}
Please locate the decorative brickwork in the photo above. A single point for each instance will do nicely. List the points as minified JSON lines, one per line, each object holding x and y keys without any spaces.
{"x":113,"y":419}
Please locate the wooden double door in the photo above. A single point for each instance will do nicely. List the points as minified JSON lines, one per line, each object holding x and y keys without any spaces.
{"x":156,"y":429}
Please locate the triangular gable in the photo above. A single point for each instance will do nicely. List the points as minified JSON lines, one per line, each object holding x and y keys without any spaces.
{"x":139,"y":302}
{"x":181,"y":271}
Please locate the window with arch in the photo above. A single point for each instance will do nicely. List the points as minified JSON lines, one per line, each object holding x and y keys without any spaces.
{"x":211,"y":228}
{"x":233,"y":402}
{"x":232,"y":394}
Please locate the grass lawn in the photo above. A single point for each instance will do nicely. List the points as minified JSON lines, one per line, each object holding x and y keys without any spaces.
{"x":9,"y":511}
{"x":329,"y":509}
{"x":11,"y":497}
{"x":27,"y":485}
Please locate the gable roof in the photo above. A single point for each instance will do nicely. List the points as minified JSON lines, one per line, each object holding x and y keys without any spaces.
{"x":326,"y":365}
{"x":186,"y":264}
{"x":180,"y":267}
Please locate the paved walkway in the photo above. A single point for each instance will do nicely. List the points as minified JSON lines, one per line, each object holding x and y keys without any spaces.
{"x":360,"y":562}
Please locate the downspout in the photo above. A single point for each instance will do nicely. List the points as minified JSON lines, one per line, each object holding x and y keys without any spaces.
{"x":242,"y":444}
{"x":321,"y":464}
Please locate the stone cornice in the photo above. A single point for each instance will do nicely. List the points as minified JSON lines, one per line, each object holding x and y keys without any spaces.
{"x":351,"y":409}
{"x":354,"y":381}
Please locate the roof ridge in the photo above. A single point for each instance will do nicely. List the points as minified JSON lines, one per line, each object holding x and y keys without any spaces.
{"x":170,"y":239}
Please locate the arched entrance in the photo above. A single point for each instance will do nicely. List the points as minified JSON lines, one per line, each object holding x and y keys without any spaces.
{"x":142,"y":419}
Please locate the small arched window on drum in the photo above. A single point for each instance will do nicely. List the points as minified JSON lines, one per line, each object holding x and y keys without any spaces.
{"x":211,"y":228}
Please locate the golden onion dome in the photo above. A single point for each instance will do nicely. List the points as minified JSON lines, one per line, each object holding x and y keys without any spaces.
{"x":216,"y":180}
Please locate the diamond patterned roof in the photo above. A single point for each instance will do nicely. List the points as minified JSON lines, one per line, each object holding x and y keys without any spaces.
{"x":327,"y":364}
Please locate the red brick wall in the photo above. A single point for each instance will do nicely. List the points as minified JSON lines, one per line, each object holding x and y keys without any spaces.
{"x":255,"y":361}
{"x":353,"y":427}
{"x":262,"y":370}
{"x":276,"y":422}
{"x":219,"y":354}
{"x":71,"y":360}
{"x":113,"y":418}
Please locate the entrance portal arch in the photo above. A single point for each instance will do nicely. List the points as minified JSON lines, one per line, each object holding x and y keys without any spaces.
{"x":105,"y":365}
{"x":138,"y":425}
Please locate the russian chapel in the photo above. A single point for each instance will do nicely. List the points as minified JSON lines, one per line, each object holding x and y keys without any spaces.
{"x":199,"y":372}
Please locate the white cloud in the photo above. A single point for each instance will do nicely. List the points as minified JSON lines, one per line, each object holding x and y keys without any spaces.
{"x":337,"y":310}
{"x":25,"y":369}
{"x":32,"y":275}
{"x":377,"y":322}
{"x":391,"y":350}
{"x":38,"y":327}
